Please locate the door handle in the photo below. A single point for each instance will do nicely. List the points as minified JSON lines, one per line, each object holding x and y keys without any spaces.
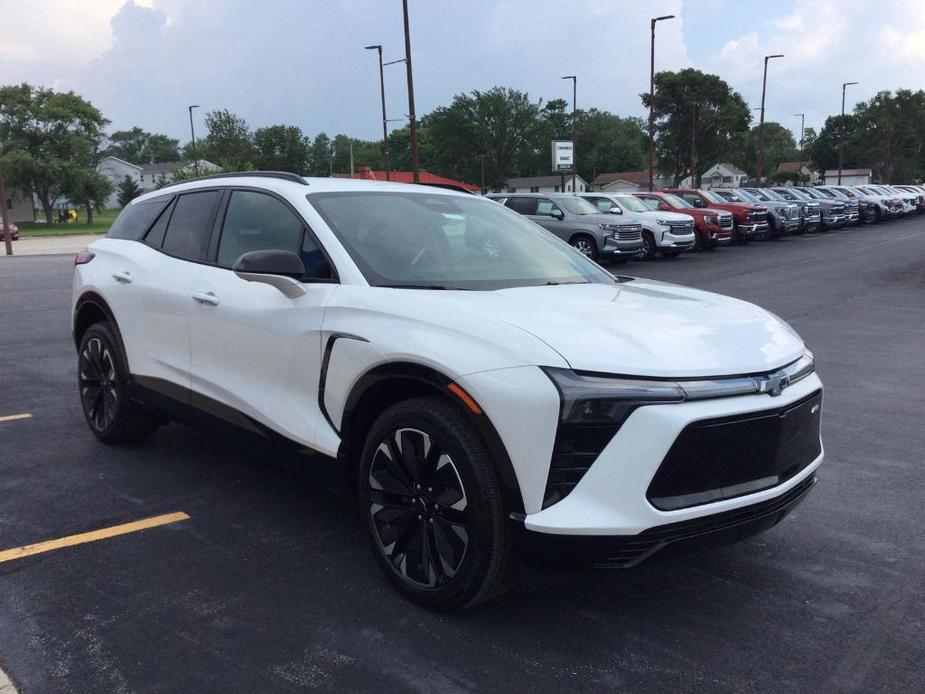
{"x":206,"y":298}
{"x":124,"y":276}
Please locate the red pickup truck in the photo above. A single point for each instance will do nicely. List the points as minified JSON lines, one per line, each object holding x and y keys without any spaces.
{"x":751,"y":221}
{"x":714,"y":227}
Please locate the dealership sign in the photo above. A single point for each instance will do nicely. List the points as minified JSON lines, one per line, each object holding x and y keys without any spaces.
{"x":563,"y":155}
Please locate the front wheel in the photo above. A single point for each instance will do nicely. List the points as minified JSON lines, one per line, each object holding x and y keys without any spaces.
{"x":433,"y":506}
{"x":584,"y":245}
{"x":647,"y":252}
{"x":742,"y":239}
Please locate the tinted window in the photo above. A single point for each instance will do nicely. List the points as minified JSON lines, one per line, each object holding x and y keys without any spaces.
{"x":603,"y":204}
{"x":155,"y":237}
{"x":136,"y":219}
{"x":522,"y":205}
{"x":257,"y":222}
{"x":545,"y":207}
{"x":190,"y":225}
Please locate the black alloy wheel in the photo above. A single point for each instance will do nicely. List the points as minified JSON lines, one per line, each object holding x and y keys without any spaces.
{"x":432,"y":503}
{"x":103,"y":382}
{"x":418,"y":508}
{"x":585,"y":245}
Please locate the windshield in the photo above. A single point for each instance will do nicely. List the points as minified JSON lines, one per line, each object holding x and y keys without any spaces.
{"x":576,"y":205}
{"x":676,"y":201}
{"x":747,"y":196}
{"x":771,"y":194}
{"x":814,"y":194}
{"x":826,"y":193}
{"x":632,"y":204}
{"x":440,"y":241}
{"x":848,"y":192}
{"x":713,"y":197}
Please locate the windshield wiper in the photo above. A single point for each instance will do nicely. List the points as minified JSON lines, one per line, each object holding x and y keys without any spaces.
{"x":420,"y":286}
{"x":553,"y":283}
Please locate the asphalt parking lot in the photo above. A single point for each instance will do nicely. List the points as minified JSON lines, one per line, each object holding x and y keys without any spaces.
{"x":269,"y":585}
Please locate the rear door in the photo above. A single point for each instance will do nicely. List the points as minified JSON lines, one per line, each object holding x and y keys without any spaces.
{"x":180,"y":238}
{"x":256,"y":351}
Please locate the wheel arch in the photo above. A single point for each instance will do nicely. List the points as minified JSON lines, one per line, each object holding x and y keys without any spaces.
{"x":92,"y":308}
{"x":388,"y":384}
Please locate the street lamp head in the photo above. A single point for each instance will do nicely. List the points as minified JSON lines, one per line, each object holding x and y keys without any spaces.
{"x":847,"y":83}
{"x":570,"y":77}
{"x":374,"y":47}
{"x":194,"y":106}
{"x":666,"y":16}
{"x":777,"y":55}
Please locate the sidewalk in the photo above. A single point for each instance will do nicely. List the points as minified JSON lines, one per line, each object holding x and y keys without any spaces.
{"x":47,"y":245}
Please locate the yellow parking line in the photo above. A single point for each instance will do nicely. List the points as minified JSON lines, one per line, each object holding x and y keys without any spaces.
{"x":14,"y":417}
{"x":93,"y":536}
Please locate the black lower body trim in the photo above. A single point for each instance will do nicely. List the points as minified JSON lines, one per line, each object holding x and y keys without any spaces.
{"x":624,"y":551}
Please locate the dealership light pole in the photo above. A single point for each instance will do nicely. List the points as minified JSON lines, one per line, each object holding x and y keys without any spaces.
{"x":764,"y":84}
{"x":652,"y":100}
{"x":841,"y":130}
{"x":574,"y":148}
{"x":802,"y":133}
{"x":5,"y":217}
{"x":416,"y":176}
{"x":192,"y":132}
{"x":385,"y":122}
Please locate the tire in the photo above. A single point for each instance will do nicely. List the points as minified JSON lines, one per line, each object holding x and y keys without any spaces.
{"x":649,"y":249}
{"x":740,"y":239}
{"x":102,"y":379}
{"x":585,"y":245}
{"x":699,"y":243}
{"x":410,"y":519}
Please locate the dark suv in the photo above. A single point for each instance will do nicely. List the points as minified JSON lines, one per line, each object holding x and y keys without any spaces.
{"x":579,"y":222}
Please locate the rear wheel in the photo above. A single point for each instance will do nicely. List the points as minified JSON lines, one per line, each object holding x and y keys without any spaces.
{"x":103,"y":381}
{"x":433,"y":506}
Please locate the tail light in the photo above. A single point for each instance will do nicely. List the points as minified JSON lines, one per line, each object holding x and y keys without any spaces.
{"x":84,"y":257}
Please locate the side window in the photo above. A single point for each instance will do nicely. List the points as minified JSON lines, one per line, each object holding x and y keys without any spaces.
{"x":155,"y":236}
{"x":257,"y":222}
{"x":546,"y":207}
{"x":693,"y":199}
{"x":603,"y":204}
{"x":191,"y":224}
{"x":522,"y":205}
{"x":136,"y":219}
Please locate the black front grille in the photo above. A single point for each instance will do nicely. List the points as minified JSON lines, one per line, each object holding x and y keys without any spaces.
{"x":757,"y":217}
{"x":723,"y":458}
{"x":725,"y":222}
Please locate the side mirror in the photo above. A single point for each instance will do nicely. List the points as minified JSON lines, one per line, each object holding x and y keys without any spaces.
{"x":697,"y":202}
{"x":615,"y":210}
{"x":558,"y":214}
{"x":280,"y":269}
{"x":663,"y":206}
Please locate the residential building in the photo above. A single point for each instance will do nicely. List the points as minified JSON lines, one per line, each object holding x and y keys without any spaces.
{"x":116,"y":170}
{"x":849,"y":177}
{"x":628,"y":181}
{"x":425,"y":177}
{"x":558,"y":183}
{"x":798,"y":167}
{"x":161,"y":173}
{"x":20,"y":206}
{"x":723,"y":175}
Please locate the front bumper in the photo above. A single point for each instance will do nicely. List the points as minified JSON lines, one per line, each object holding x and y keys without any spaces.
{"x":611,"y":497}
{"x":671,"y":241}
{"x":753,"y":229}
{"x":616,"y":248}
{"x":833,"y":220}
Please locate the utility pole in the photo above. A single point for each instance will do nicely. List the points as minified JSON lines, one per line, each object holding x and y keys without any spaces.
{"x":415,"y":173}
{"x":802,"y":133}
{"x":694,"y":145}
{"x":841,"y":130}
{"x":385,"y":122}
{"x":192,"y":132}
{"x":351,"y":157}
{"x":652,"y":102}
{"x":5,"y":216}
{"x":574,"y":143}
{"x":764,"y":84}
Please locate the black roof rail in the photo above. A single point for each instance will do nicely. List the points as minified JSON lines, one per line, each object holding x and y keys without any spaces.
{"x":282,"y":175}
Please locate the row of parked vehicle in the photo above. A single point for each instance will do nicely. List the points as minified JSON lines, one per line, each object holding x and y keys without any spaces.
{"x":619,"y":226}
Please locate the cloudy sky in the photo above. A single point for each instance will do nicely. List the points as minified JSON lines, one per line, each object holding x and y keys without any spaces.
{"x":302,"y":61}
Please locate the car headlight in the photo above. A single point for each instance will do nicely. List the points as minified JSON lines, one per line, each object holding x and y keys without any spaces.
{"x":710,"y":219}
{"x":607,"y":227}
{"x":663,"y":222}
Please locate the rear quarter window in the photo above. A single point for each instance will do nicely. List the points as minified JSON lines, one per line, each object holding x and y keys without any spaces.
{"x":135,"y":219}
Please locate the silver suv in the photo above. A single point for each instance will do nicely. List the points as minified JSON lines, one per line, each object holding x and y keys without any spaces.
{"x":578,"y":222}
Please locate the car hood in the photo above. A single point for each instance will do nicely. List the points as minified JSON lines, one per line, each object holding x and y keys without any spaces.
{"x":668,"y":216}
{"x":642,"y":327}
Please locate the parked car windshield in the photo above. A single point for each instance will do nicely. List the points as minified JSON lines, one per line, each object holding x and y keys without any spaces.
{"x":676,"y":201}
{"x":440,"y":241}
{"x":798,"y":194}
{"x":747,"y":196}
{"x":826,"y":193}
{"x":713,"y":197}
{"x":812,"y":193}
{"x":632,"y":204}
{"x":771,"y":194}
{"x":576,"y":205}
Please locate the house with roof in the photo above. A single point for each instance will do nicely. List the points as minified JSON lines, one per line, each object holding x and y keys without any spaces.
{"x":799,"y":170}
{"x":849,"y":177}
{"x":723,"y":175}
{"x":116,"y":170}
{"x":19,"y":205}
{"x":558,"y":183}
{"x":629,"y":181}
{"x":157,"y":175}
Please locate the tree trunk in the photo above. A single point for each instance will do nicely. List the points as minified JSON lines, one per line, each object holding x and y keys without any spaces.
{"x":49,"y":211}
{"x":89,"y":214}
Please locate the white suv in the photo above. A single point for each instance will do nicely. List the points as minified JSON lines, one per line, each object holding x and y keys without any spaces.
{"x":668,"y":233}
{"x":492,"y":394}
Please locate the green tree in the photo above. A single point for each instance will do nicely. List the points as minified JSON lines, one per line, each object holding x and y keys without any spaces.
{"x":321,"y":163}
{"x":141,"y":147}
{"x":47,"y":139}
{"x":281,"y":148}
{"x":889,"y":134}
{"x":229,"y":142}
{"x":607,"y":142}
{"x":697,"y":115}
{"x":89,"y":189}
{"x":128,"y":191}
{"x":779,"y":146}
{"x":823,"y":148}
{"x":496,"y":127}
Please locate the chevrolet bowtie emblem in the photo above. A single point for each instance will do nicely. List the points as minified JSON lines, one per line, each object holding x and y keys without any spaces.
{"x":773,"y":384}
